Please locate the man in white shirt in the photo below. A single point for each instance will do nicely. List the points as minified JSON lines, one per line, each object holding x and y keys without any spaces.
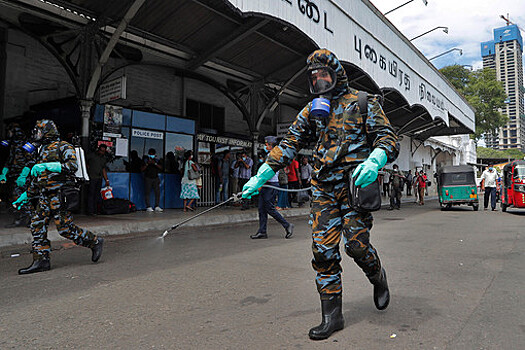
{"x":489,"y":180}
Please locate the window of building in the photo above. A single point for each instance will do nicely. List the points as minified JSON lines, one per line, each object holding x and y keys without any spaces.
{"x":208,"y":116}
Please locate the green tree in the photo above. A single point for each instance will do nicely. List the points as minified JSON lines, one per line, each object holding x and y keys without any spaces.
{"x":458,"y":76}
{"x":483,"y":92}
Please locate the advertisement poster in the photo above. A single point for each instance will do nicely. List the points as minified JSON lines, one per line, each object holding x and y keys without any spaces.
{"x":112,"y":119}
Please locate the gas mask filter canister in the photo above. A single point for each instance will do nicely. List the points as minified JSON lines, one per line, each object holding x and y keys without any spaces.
{"x":320,"y":107}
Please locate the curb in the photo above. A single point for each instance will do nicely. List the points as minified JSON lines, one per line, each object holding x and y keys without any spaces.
{"x":137,"y":227}
{"x":16,"y":238}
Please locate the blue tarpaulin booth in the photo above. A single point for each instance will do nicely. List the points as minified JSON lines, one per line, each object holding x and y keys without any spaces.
{"x":170,"y":136}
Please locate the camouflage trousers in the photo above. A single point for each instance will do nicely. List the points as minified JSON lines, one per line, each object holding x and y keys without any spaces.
{"x":330,"y":217}
{"x":49,"y":206}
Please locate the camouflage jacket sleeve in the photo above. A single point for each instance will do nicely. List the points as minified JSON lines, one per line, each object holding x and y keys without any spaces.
{"x":380,"y":132}
{"x":68,"y":158}
{"x":298,"y":134}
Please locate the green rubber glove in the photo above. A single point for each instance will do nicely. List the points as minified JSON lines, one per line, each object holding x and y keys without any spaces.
{"x":21,"y":181}
{"x":37,"y":169}
{"x":367,"y":171}
{"x":4,"y":173}
{"x":21,"y":201}
{"x":251,"y":188}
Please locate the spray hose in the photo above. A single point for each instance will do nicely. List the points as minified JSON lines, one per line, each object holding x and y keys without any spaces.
{"x":235,"y":198}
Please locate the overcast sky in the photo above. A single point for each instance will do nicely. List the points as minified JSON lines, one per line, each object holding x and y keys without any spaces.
{"x":469,"y":21}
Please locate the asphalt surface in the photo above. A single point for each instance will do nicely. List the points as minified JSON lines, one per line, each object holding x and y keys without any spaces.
{"x":456,"y":279}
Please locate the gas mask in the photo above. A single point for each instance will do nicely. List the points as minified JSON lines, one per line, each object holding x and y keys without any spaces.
{"x":322,"y":80}
{"x":36,"y":139}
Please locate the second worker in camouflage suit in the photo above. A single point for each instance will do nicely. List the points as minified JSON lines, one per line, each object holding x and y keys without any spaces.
{"x":56,"y":163}
{"x":346,"y":146}
{"x":16,"y":172}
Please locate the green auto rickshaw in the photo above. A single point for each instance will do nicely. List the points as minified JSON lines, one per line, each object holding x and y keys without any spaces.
{"x":456,"y":186}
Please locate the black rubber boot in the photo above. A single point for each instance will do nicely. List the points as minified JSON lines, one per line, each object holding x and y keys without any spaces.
{"x":97,"y":250}
{"x":289,"y":231}
{"x":381,"y":292}
{"x":259,"y":235}
{"x":38,"y":265}
{"x":332,"y":319}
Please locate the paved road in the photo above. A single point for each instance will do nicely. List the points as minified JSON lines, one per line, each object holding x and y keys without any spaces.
{"x":456,"y":277}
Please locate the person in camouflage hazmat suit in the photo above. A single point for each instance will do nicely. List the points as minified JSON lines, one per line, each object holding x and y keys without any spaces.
{"x":55,"y":166}
{"x":15,"y":172}
{"x":346,"y":144}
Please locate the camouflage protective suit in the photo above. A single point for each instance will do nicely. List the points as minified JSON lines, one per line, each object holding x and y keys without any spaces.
{"x":45,"y":190}
{"x":344,"y":140}
{"x":17,"y":161}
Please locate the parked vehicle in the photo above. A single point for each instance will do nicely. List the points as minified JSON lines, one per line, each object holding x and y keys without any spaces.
{"x":513,"y":185}
{"x":456,"y":185}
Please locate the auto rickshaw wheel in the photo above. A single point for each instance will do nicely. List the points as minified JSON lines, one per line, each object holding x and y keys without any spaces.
{"x":503,"y":207}
{"x":475,"y":207}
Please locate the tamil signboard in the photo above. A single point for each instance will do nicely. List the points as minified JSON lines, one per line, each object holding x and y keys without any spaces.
{"x":113,"y":90}
{"x":358,"y":33}
{"x":224,"y":140}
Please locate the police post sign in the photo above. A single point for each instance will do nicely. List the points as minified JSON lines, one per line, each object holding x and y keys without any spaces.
{"x":148,"y":134}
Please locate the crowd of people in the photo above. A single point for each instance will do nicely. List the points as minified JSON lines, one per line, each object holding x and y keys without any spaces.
{"x":230,"y":172}
{"x":394,"y":182}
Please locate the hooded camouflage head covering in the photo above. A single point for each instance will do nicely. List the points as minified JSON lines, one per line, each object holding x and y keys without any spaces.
{"x":324,"y":57}
{"x":15,"y":132}
{"x":49,"y":130}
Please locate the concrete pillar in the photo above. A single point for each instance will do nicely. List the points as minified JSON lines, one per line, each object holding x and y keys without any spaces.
{"x":85,"y":112}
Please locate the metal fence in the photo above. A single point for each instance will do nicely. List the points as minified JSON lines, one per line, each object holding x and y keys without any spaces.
{"x":207,"y":192}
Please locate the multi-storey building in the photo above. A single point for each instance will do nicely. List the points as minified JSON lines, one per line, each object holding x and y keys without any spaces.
{"x":504,"y":54}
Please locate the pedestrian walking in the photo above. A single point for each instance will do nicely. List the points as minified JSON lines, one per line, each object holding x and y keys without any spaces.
{"x":489,"y":179}
{"x":397,"y":180}
{"x":225,"y":175}
{"x":282,"y":196}
{"x":427,"y":183}
{"x":421,"y":185}
{"x":56,"y":164}
{"x":414,"y":186}
{"x":244,"y":164}
{"x":359,"y":152}
{"x":96,"y":166}
{"x":151,"y":169}
{"x":306,"y":173}
{"x":189,"y":191}
{"x":386,"y":183}
{"x":15,"y":173}
{"x":267,"y":198}
{"x":408,"y":181}
{"x":235,"y":174}
{"x":293,"y":180}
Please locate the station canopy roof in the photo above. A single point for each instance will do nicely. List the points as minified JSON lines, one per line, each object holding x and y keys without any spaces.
{"x":212,"y":35}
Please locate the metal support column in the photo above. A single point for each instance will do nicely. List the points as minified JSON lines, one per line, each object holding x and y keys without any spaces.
{"x":3,"y":67}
